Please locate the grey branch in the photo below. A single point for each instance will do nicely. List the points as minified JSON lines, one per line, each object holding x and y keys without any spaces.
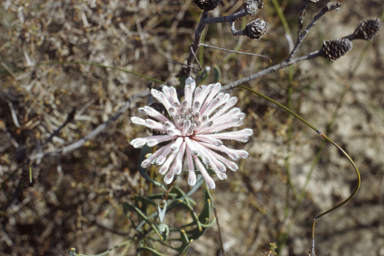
{"x":274,"y":68}
{"x":244,"y":53}
{"x":196,"y":43}
{"x":229,"y":18}
{"x":329,"y":7}
{"x":203,"y":22}
{"x":235,"y":32}
{"x":301,"y":17}
{"x":100,"y":128}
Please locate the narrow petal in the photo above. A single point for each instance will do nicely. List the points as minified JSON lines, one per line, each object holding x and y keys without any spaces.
{"x":169,"y":177}
{"x":178,"y":163}
{"x":139,"y":142}
{"x":205,"y":157}
{"x":201,"y":93}
{"x":190,"y":86}
{"x":221,"y":175}
{"x":230,"y":103}
{"x":208,"y":179}
{"x":185,"y":128}
{"x":173,"y":94}
{"x":233,"y":155}
{"x":233,"y":122}
{"x":214,"y":163}
{"x":233,"y":113}
{"x":154,"y":140}
{"x":213,"y":105}
{"x":192,"y":178}
{"x":155,"y":125}
{"x":153,"y":113}
{"x":147,"y":162}
{"x":167,"y":93}
{"x":213,"y":89}
{"x":208,"y":139}
{"x":242,"y":135}
{"x":174,"y":132}
{"x":191,"y":166}
{"x":165,"y":167}
{"x":231,"y":165}
{"x":161,"y":98}
{"x":163,"y":156}
{"x":137,"y":120}
{"x":190,"y":145}
{"x":175,"y":146}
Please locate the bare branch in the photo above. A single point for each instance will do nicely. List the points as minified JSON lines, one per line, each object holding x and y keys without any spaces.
{"x":70,"y":118}
{"x":274,"y":68}
{"x":100,"y":128}
{"x":244,"y":53}
{"x":329,"y":7}
{"x":230,"y":18}
{"x":235,"y":32}
{"x":196,"y":43}
{"x":301,"y":18}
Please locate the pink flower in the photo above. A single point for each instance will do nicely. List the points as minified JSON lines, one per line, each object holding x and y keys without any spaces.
{"x":194,"y":130}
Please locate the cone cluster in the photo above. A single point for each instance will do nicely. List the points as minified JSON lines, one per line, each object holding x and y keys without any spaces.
{"x":334,"y":49}
{"x":367,"y":29}
{"x":256,"y":29}
{"x":207,"y":5}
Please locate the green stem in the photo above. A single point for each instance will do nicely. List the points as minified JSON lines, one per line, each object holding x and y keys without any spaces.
{"x":281,"y":16}
{"x":327,"y":139}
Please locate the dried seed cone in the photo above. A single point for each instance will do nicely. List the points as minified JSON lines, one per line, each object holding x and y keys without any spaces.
{"x":367,"y":29}
{"x":334,"y":49}
{"x":256,"y":29}
{"x":252,"y":6}
{"x":207,"y":5}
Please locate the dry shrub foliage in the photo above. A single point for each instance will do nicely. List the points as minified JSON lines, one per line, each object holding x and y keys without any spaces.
{"x":76,"y":198}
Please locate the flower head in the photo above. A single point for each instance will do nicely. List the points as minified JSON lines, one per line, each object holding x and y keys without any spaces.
{"x":194,"y":130}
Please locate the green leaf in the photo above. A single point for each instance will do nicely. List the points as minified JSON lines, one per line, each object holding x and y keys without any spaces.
{"x":216,"y":74}
{"x":128,"y":206}
{"x":164,"y":230}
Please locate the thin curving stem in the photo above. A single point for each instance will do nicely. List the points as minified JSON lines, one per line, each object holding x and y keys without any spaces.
{"x":341,"y":203}
{"x":333,"y":143}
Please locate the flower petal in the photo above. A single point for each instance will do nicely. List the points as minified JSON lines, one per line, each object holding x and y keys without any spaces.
{"x":208,"y":139}
{"x":161,"y":98}
{"x":230,"y":103}
{"x":147,"y":162}
{"x":153,"y":113}
{"x":154,"y":140}
{"x":213,"y":89}
{"x":210,"y":183}
{"x":165,"y":167}
{"x":242,"y":135}
{"x":190,"y":86}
